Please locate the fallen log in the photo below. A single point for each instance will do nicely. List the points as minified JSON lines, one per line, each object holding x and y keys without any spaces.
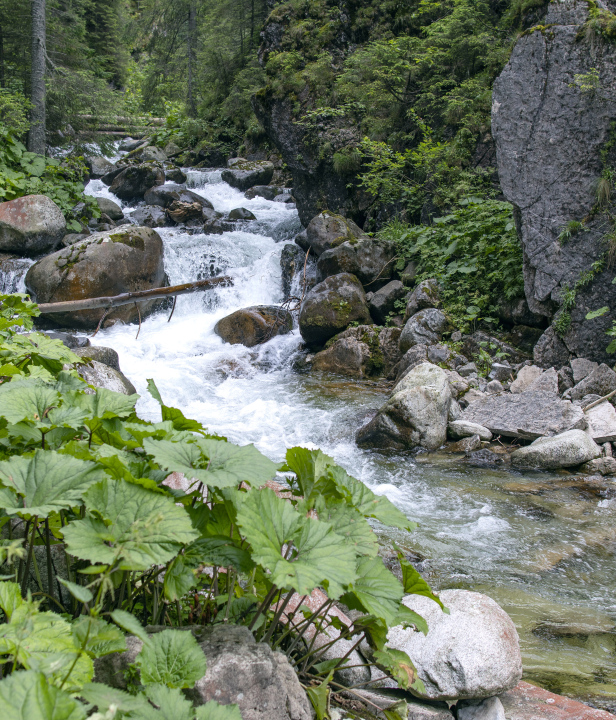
{"x":133,"y":297}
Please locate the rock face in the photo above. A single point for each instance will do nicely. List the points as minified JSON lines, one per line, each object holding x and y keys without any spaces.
{"x":331,"y":306}
{"x":473,"y":652}
{"x":134,"y":181}
{"x":243,"y":174}
{"x":549,"y":453}
{"x":326,"y":231}
{"x":415,"y":415}
{"x":527,"y":415}
{"x":254,"y":325}
{"x":424,"y":328}
{"x":360,"y":352}
{"x":106,"y":263}
{"x":550,"y":136}
{"x":368,"y":260}
{"x":30,"y":225}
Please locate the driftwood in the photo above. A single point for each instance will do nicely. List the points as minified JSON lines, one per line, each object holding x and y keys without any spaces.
{"x":134,"y":297}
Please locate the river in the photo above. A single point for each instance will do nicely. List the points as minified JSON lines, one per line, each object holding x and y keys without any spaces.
{"x":540,"y":544}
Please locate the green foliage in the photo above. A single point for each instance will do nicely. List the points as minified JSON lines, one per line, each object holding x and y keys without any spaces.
{"x":14,"y":112}
{"x":573,"y":227}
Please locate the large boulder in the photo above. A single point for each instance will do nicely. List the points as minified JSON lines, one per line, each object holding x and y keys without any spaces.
{"x":425,"y":295}
{"x":368,"y":259}
{"x":601,"y":381}
{"x":106,"y":263}
{"x":167,"y":194}
{"x":415,"y":415}
{"x":424,"y":328}
{"x":383,"y":302}
{"x":151,"y":216}
{"x":331,"y":306}
{"x":148,"y":153}
{"x":327,"y":231}
{"x":254,"y":325}
{"x":602,"y":422}
{"x":134,"y":181}
{"x":110,"y":208}
{"x":527,"y":415}
{"x":244,"y":174}
{"x":102,"y":375}
{"x":472,"y":652}
{"x":30,"y":225}
{"x":564,"y":450}
{"x":553,"y":141}
{"x":360,"y":352}
{"x":98,"y":166}
{"x":550,"y":350}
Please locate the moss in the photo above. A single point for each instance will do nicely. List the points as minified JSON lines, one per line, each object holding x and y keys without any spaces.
{"x":127,"y":238}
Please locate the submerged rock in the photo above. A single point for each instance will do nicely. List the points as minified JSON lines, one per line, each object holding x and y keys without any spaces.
{"x":573,"y":447}
{"x":30,"y":225}
{"x":254,"y":325}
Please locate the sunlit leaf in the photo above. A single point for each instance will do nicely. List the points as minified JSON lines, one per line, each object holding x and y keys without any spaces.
{"x":172,"y":658}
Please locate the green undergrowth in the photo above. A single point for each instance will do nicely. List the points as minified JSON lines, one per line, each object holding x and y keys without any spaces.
{"x":95,"y":545}
{"x":473,"y":252}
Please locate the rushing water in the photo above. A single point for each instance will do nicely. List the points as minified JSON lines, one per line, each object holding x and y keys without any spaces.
{"x":541,"y":545}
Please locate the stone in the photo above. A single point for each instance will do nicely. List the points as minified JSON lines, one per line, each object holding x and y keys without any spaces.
{"x":166,"y":195}
{"x":546,"y":382}
{"x":331,"y":306}
{"x":368,"y":259}
{"x":473,"y":395}
{"x":72,"y":238}
{"x":361,"y":351}
{"x":148,"y":153}
{"x":573,"y":447}
{"x":459,"y":429}
{"x":241,"y":214}
{"x":581,"y":368}
{"x":411,"y":358}
{"x":454,"y":410}
{"x":426,"y":327}
{"x":425,"y":295}
{"x":501,"y":371}
{"x":494,"y":387}
{"x":327,"y":231}
{"x":526,"y":415}
{"x":383,"y":301}
{"x":172,"y":148}
{"x":129,"y":144}
{"x":186,"y":213}
{"x":133,"y":182}
{"x":98,"y":166}
{"x":465,"y":445}
{"x":467,"y":369}
{"x":439,"y":354}
{"x":485,"y":458}
{"x":602,"y":422}
{"x":101,"y":375}
{"x":473,"y":652}
{"x":71,"y":341}
{"x":600,"y":466}
{"x":175,"y":175}
{"x":409,"y":273}
{"x":529,"y":702}
{"x":415,"y":415}
{"x":103,"y":264}
{"x":151,"y":216}
{"x":254,"y":325}
{"x":292,"y":260}
{"x":488,"y":709}
{"x":243,"y":174}
{"x":526,"y":377}
{"x":601,"y":381}
{"x":457,"y":383}
{"x":268,"y":192}
{"x":112,"y":174}
{"x":109,"y":208}
{"x":421,"y":711}
{"x":30,"y":225}
{"x":105,"y":355}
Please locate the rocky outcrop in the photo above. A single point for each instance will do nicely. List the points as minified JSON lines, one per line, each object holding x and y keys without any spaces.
{"x":331,"y":306}
{"x":564,"y":450}
{"x":105,"y":263}
{"x":133,"y":182}
{"x":243,"y":174}
{"x":30,"y":225}
{"x":254,"y":325}
{"x":361,"y":352}
{"x":554,"y":139}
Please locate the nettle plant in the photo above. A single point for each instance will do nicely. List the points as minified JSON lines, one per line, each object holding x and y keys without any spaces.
{"x":95,"y":544}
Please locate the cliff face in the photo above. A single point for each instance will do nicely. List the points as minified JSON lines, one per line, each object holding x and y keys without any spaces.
{"x":556,"y":140}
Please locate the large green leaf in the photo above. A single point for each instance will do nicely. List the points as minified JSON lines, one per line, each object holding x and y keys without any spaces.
{"x":103,"y":697}
{"x":350,"y":524}
{"x":45,"y":483}
{"x":375,"y":591}
{"x":129,"y":622}
{"x":170,"y":703}
{"x":310,"y":467}
{"x":319,"y":556}
{"x":26,"y":400}
{"x":27,"y":695}
{"x":128,"y":521}
{"x":176,"y":457}
{"x":105,"y":403}
{"x":414,"y":584}
{"x":214,"y":711}
{"x":229,"y":465}
{"x":10,"y":597}
{"x":172,"y":658}
{"x":399,"y":665}
{"x":97,"y":637}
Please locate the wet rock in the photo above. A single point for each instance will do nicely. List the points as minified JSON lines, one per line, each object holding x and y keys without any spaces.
{"x":500,"y":371}
{"x":331,"y":306}
{"x":292,"y":260}
{"x":473,"y":652}
{"x":369,"y":260}
{"x":134,"y":181}
{"x":467,"y":369}
{"x":241,"y":214}
{"x":415,"y":415}
{"x":109,"y":208}
{"x":602,"y":422}
{"x":581,"y":368}
{"x":601,"y":381}
{"x":243,"y":174}
{"x":485,"y":458}
{"x":411,"y":358}
{"x":546,"y":382}
{"x":494,"y":387}
{"x":600,"y":466}
{"x":269,"y":192}
{"x":361,"y":352}
{"x":529,"y":702}
{"x":424,"y":328}
{"x":186,"y":213}
{"x":109,"y":177}
{"x":425,"y":295}
{"x":459,"y":429}
{"x":573,"y":447}
{"x":254,"y":325}
{"x":384,"y":300}
{"x":488,"y":709}
{"x":327,"y":231}
{"x":214,"y":224}
{"x":526,"y":377}
{"x":98,"y":166}
{"x":175,"y":175}
{"x":151,"y":216}
{"x":101,"y":375}
{"x":526,"y":415}
{"x":465,"y":445}
{"x":148,"y":153}
{"x":105,"y":355}
{"x":103,"y":264}
{"x":167,"y":194}
{"x":30,"y":225}
{"x":550,"y":350}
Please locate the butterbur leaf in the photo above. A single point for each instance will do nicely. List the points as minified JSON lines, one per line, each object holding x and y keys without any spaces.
{"x":104,"y":697}
{"x":229,"y":464}
{"x":100,"y":637}
{"x":173,"y":414}
{"x":170,"y":702}
{"x":128,"y":521}
{"x":375,"y":591}
{"x":26,"y":400}
{"x":214,"y":711}
{"x":106,"y":404}
{"x":173,"y":658}
{"x":10,"y":597}
{"x":350,"y":524}
{"x":176,"y":457}
{"x":414,"y":584}
{"x":79,"y":592}
{"x":154,"y":392}
{"x":27,"y":695}
{"x":397,"y":664}
{"x":129,"y":622}
{"x":309,"y":466}
{"x":45,"y":483}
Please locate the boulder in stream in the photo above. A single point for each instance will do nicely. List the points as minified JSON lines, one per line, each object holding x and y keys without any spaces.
{"x":151,"y":216}
{"x":98,"y":166}
{"x":368,"y":259}
{"x":361,"y":351}
{"x":134,"y":181}
{"x":241,"y":213}
{"x":425,"y":327}
{"x":254,"y":325}
{"x":167,"y":194}
{"x":244,"y":174}
{"x":327,"y":231}
{"x":30,"y":225}
{"x":110,"y":208}
{"x":101,"y":375}
{"x":563,"y":450}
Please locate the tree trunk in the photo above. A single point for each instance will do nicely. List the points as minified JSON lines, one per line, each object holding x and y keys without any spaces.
{"x":36,"y":136}
{"x":192,"y":33}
